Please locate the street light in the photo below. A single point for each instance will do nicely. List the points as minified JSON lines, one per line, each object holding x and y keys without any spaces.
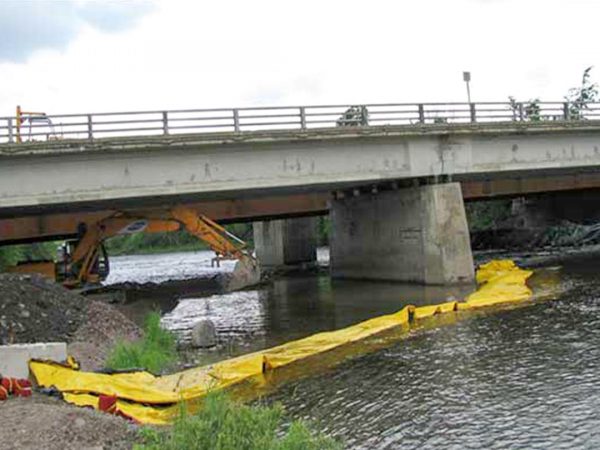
{"x":467,"y":79}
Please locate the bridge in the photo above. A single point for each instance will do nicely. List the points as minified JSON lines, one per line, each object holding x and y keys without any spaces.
{"x":392,"y":176}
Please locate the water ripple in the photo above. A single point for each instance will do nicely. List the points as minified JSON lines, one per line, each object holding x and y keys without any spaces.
{"x":525,"y":378}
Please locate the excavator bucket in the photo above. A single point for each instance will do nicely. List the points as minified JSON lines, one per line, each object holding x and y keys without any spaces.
{"x":245,"y":273}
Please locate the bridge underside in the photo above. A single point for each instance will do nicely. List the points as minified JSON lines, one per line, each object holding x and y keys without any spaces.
{"x":61,"y":222}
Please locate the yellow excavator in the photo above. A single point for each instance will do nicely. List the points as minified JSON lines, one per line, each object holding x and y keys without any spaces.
{"x":84,"y":261}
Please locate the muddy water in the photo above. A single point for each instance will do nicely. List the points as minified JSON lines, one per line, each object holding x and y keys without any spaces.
{"x":525,"y":378}
{"x":289,"y":308}
{"x":522,"y":378}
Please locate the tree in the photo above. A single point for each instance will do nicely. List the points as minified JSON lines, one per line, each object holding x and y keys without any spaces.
{"x":579,"y":97}
{"x":354,"y":116}
{"x":522,"y":111}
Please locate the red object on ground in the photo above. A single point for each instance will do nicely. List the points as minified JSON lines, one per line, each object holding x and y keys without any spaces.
{"x":19,"y":387}
{"x":108,"y":403}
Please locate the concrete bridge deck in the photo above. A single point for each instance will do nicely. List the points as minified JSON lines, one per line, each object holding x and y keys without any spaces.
{"x":125,"y":172}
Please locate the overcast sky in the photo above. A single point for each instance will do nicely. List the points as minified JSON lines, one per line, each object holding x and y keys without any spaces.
{"x":85,"y":56}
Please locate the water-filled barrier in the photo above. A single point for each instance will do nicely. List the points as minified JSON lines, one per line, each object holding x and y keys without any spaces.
{"x":146,"y":398}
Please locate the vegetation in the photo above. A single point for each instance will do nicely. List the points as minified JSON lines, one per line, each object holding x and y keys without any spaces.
{"x":155,"y":352}
{"x":148,"y":243}
{"x":12,"y":254}
{"x":324,"y":228}
{"x":579,"y":97}
{"x":354,"y":116}
{"x":577,"y":100}
{"x":486,"y":215}
{"x":527,"y":111}
{"x":224,"y":425}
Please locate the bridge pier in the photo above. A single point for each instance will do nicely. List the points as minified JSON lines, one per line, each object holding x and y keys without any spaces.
{"x":286,"y":242}
{"x":417,"y":234}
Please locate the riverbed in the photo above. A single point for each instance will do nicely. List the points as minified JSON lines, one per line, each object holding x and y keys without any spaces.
{"x":526,"y":377}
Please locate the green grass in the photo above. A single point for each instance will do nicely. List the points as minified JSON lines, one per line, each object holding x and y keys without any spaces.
{"x":12,"y":254}
{"x":155,"y":352}
{"x":222,"y":424}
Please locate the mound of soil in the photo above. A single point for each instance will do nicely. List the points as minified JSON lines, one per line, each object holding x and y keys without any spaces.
{"x":102,"y":328}
{"x":35,"y":309}
{"x":41,"y":422}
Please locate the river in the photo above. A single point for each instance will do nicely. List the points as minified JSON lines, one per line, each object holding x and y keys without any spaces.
{"x":527,"y":377}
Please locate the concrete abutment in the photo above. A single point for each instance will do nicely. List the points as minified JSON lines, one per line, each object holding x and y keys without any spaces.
{"x":417,"y":234}
{"x":286,"y":242}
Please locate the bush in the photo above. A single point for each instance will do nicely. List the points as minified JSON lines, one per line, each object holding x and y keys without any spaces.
{"x":224,"y":425}
{"x":154,"y":352}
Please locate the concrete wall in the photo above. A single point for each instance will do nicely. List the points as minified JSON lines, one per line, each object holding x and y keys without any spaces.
{"x":286,"y":242}
{"x":14,"y":359}
{"x":413,"y":235}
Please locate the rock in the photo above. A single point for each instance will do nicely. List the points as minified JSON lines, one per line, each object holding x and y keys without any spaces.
{"x":79,"y":422}
{"x":204,"y":334}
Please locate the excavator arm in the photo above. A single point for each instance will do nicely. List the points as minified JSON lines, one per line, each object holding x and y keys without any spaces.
{"x":80,"y":266}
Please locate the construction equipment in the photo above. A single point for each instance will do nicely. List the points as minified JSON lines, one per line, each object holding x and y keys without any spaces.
{"x":34,"y":119}
{"x":84,"y":261}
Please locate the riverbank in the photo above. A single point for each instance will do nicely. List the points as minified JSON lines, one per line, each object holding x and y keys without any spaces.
{"x":43,"y":422}
{"x":289,"y":308}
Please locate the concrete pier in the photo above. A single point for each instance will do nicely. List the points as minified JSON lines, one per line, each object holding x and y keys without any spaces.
{"x":417,"y":234}
{"x":286,"y":242}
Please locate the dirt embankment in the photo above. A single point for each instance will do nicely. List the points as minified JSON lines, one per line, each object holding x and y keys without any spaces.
{"x":33,"y":309}
{"x":41,"y":422}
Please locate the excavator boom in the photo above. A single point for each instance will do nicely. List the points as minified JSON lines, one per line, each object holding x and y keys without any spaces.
{"x":81,"y":265}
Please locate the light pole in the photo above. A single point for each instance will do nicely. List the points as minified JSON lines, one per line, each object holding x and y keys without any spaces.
{"x":467,"y":79}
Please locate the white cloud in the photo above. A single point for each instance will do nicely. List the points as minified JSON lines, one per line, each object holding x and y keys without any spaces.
{"x":233,"y":53}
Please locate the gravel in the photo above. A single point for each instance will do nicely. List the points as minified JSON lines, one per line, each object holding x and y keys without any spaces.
{"x":41,"y":422}
{"x":102,"y":328}
{"x":34,"y":309}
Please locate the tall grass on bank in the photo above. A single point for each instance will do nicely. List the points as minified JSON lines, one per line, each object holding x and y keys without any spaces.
{"x":12,"y":254}
{"x":222,"y":424}
{"x":155,"y":352}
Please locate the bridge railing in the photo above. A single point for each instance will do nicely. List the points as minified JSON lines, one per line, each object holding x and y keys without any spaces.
{"x":221,"y":120}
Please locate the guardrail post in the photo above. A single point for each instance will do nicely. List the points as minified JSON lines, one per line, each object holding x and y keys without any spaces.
{"x":521,"y":112}
{"x":473,"y":113}
{"x":421,"y":113}
{"x":566,"y":114}
{"x":165,"y":122}
{"x":90,"y":128}
{"x":236,"y":120}
{"x":11,"y":138}
{"x":302,"y":118}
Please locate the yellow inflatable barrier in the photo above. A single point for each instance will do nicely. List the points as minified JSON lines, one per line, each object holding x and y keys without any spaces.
{"x":146,"y":398}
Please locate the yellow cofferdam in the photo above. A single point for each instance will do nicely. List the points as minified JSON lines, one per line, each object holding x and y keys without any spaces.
{"x":151,"y":399}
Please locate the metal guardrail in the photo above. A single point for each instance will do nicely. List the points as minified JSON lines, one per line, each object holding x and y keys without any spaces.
{"x":151,"y":123}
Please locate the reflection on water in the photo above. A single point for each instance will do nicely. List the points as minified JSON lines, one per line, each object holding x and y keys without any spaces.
{"x":522,"y":378}
{"x":527,"y":377}
{"x":173,"y":266}
{"x":296,"y":307}
{"x":236,"y":315}
{"x":163,"y":267}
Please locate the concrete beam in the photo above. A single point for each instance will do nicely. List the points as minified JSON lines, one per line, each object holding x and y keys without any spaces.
{"x":415,"y":234}
{"x":14,"y":359}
